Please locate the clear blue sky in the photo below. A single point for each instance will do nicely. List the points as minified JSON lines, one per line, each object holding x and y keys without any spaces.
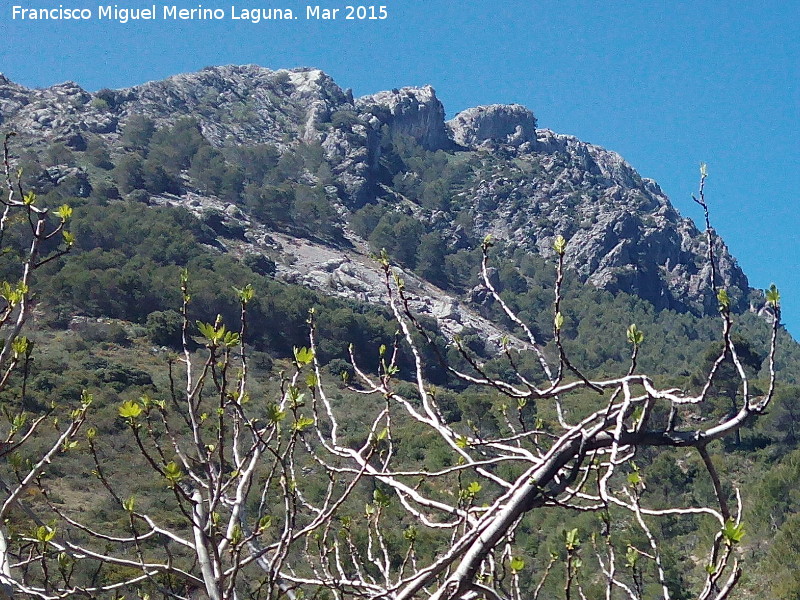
{"x":666,"y":84}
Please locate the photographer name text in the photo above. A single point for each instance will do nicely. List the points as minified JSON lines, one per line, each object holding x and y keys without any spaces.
{"x":121,"y":14}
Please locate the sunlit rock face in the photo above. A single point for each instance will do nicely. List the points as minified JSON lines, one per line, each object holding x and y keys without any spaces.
{"x":530,"y":184}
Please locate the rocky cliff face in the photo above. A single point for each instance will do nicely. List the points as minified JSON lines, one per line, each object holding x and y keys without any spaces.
{"x":528,"y":185}
{"x":624,"y":235}
{"x":497,"y":124}
{"x":415,"y":112}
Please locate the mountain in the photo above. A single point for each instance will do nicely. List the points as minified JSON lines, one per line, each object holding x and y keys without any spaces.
{"x":494,"y":173}
{"x":282,"y":179}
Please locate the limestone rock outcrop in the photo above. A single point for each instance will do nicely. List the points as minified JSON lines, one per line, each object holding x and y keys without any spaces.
{"x":511,"y":124}
{"x":624,"y":235}
{"x":411,"y":111}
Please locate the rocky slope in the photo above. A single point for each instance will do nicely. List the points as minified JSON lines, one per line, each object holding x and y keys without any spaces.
{"x":527,"y":185}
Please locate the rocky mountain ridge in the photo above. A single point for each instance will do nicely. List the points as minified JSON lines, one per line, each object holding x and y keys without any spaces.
{"x":527,"y":185}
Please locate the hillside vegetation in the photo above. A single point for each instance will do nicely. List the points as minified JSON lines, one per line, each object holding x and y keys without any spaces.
{"x":250,"y":184}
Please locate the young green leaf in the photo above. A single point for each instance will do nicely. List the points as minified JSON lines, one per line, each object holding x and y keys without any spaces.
{"x":410,"y":533}
{"x":173,"y":473}
{"x":230,"y":339}
{"x":560,"y":245}
{"x":311,"y":380}
{"x":64,"y":212}
{"x":236,"y":535}
{"x":303,"y":356}
{"x":572,"y":540}
{"x":516,"y":564}
{"x":13,"y":295}
{"x":212,"y":334}
{"x":724,"y":300}
{"x":635,"y":335}
{"x":246,"y":294}
{"x":44,"y":534}
{"x":302,"y":423}
{"x":631,"y":556}
{"x":20,"y":346}
{"x":773,"y":296}
{"x":297,"y":399}
{"x":18,"y":422}
{"x":380,"y":497}
{"x":130,"y":410}
{"x":732,"y":532}
{"x":69,"y":445}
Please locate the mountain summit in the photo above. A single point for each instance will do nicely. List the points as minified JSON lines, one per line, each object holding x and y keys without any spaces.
{"x":386,"y":161}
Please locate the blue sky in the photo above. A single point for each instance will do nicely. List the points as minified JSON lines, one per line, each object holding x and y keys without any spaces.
{"x":666,"y":84}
